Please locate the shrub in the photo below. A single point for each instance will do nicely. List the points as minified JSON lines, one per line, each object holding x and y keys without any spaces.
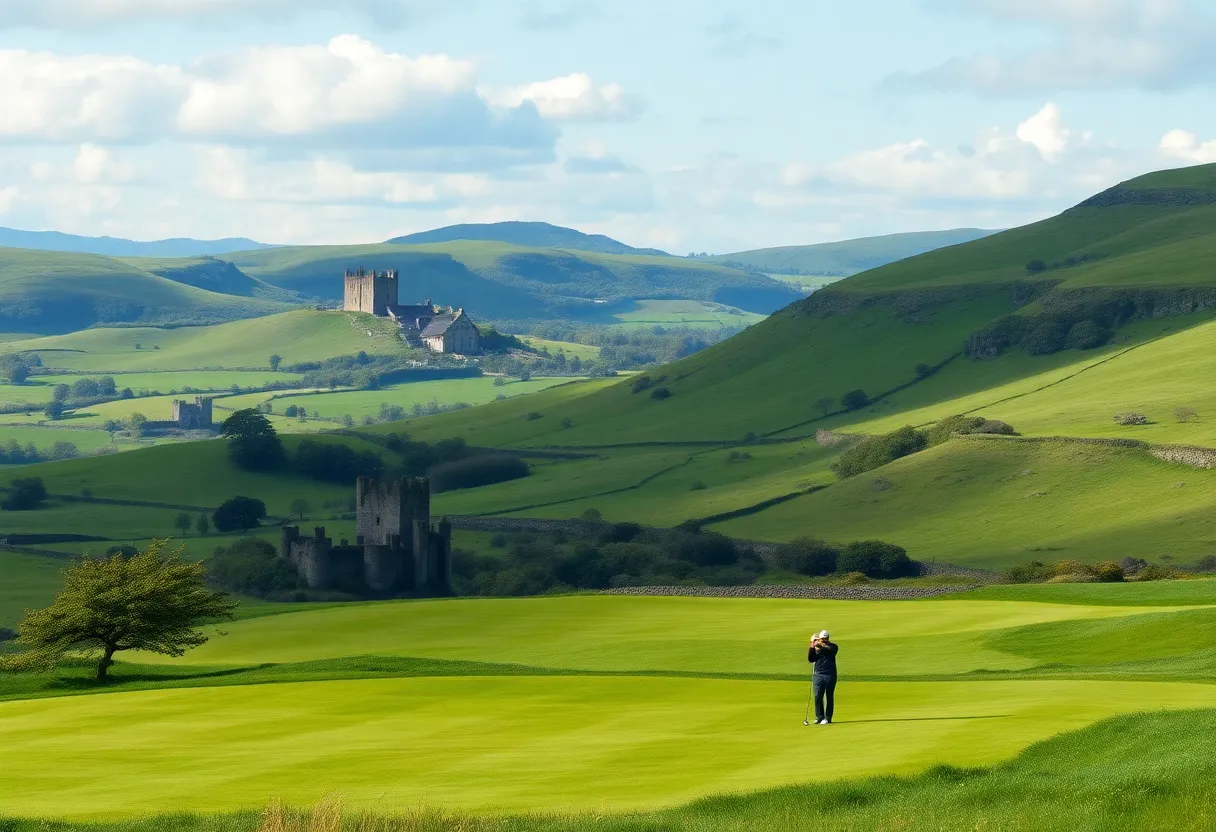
{"x":54,"y":410}
{"x":334,"y":462}
{"x":854,"y":400}
{"x":567,"y":422}
{"x":592,"y":515}
{"x":1132,"y":565}
{"x":1035,"y":572}
{"x":1185,"y":414}
{"x":1087,"y":335}
{"x":807,"y":556}
{"x":639,"y":384}
{"x":1036,"y":267}
{"x":1153,"y":572}
{"x":251,"y":566}
{"x":698,"y":486}
{"x":7,"y":635}
{"x":660,"y":393}
{"x":477,"y":471}
{"x":876,"y":451}
{"x":852,"y":579}
{"x":239,"y":514}
{"x":27,"y":493}
{"x":876,"y":559}
{"x":1108,"y":572}
{"x":291,"y":411}
{"x":1045,"y":337}
{"x":1130,"y":419}
{"x":533,"y":416}
{"x":923,"y":371}
{"x":1207,"y":563}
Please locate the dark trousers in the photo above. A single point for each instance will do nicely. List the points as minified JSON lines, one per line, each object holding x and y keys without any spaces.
{"x":825,"y":696}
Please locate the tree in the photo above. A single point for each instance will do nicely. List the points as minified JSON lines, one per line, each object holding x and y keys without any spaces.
{"x":135,"y":424}
{"x":854,"y":400}
{"x":149,"y":601}
{"x":1036,"y":267}
{"x":252,"y":441}
{"x":60,"y":393}
{"x":54,"y":410}
{"x":275,"y":361}
{"x":348,"y":421}
{"x":183,"y":522}
{"x":525,"y":375}
{"x":299,"y":507}
{"x":824,"y":405}
{"x":26,"y":493}
{"x":1185,"y":414}
{"x":106,"y":386}
{"x":202,"y":524}
{"x":239,"y":514}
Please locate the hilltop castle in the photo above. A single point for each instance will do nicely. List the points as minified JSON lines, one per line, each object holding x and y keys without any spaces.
{"x":439,"y":329}
{"x":396,"y":548}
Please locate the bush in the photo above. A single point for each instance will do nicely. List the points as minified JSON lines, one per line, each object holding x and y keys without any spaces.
{"x":27,"y":493}
{"x":7,"y":635}
{"x":333,"y":462}
{"x":251,"y":566}
{"x":1130,"y":419}
{"x":533,"y":416}
{"x":1045,"y":338}
{"x":477,"y":471}
{"x":1035,"y":572}
{"x":1087,"y":335}
{"x":854,"y":400}
{"x":876,"y":451}
{"x":807,"y":556}
{"x":1036,"y":267}
{"x":876,"y":559}
{"x":660,"y":393}
{"x":1207,"y":563}
{"x":698,"y":486}
{"x":1107,"y":572}
{"x":1155,"y":573}
{"x":592,"y":515}
{"x":239,"y":514}
{"x":639,"y":384}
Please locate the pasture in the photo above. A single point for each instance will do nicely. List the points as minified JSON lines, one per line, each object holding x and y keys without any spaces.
{"x":683,"y":313}
{"x":581,"y":703}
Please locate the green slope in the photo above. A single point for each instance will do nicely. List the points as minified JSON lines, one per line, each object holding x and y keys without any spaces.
{"x":530,"y":234}
{"x":847,"y":257}
{"x":500,"y":281}
{"x":56,"y":292}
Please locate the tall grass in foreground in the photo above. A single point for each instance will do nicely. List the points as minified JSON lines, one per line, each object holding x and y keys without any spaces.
{"x":1149,"y":771}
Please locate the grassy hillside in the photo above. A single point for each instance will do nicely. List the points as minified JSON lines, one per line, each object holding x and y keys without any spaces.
{"x":847,"y":257}
{"x":530,"y":234}
{"x":118,"y":247}
{"x":56,"y":292}
{"x":303,"y":335}
{"x":500,"y":281}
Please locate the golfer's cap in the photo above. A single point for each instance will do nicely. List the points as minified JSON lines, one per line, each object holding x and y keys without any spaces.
{"x":824,"y":634}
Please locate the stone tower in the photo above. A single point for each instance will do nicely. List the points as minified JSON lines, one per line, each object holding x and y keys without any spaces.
{"x":396,"y":548}
{"x":193,"y":416}
{"x":370,"y":291}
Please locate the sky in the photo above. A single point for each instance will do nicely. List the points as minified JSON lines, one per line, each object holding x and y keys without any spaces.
{"x":687,"y":125}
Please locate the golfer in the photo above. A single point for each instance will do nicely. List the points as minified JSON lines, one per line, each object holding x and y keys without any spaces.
{"x":823,"y":656}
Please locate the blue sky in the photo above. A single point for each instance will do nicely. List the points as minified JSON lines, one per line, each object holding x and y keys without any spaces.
{"x":692,"y":126}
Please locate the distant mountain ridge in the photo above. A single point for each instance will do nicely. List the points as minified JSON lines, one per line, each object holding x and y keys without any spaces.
{"x":529,"y":234}
{"x":118,"y":247}
{"x":847,"y":257}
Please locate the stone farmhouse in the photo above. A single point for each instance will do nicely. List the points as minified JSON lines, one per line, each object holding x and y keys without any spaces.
{"x":396,"y":551}
{"x":439,"y":329}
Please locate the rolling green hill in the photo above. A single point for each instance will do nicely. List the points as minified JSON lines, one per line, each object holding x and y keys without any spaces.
{"x":847,"y":257}
{"x":528,"y":234}
{"x":56,"y":292}
{"x":500,"y":281}
{"x":118,"y":247}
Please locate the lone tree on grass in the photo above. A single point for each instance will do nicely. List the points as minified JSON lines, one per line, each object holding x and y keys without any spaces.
{"x":26,"y":493}
{"x":275,"y":361}
{"x":183,"y":522}
{"x":824,"y":405}
{"x":299,"y":507}
{"x":252,"y":441}
{"x":854,"y":400}
{"x":202,"y":524}
{"x":149,"y":601}
{"x":239,"y":514}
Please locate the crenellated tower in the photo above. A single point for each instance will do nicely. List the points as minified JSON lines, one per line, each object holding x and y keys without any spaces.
{"x":370,"y":291}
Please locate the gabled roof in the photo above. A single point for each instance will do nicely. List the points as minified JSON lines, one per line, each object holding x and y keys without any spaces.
{"x":438,"y":326}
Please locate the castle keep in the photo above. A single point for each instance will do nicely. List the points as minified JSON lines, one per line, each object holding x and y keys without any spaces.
{"x":396,"y":547}
{"x":194,"y":415}
{"x":439,"y":329}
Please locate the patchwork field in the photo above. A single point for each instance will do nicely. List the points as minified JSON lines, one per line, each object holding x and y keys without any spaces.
{"x":683,"y":313}
{"x":584,"y":703}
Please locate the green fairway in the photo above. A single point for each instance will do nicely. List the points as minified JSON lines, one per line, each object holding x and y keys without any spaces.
{"x":502,"y":744}
{"x":585,"y":702}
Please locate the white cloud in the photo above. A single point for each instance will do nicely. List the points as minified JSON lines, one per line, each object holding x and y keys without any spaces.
{"x":1180,"y":144}
{"x":348,"y":93}
{"x":87,"y":14}
{"x":574,"y":97}
{"x":1098,"y":45}
{"x":1045,"y":131}
{"x":8,"y":198}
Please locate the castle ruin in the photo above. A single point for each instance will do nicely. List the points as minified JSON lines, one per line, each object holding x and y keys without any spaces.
{"x":396,"y":549}
{"x":194,"y":415}
{"x":439,"y":329}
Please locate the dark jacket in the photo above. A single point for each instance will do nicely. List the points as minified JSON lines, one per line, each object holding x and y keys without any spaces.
{"x":824,"y":658}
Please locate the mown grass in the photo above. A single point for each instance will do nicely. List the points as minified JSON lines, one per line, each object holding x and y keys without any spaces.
{"x":683,"y":313}
{"x":1092,"y":780}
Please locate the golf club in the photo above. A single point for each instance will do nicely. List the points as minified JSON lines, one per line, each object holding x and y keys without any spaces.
{"x":806,"y":720}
